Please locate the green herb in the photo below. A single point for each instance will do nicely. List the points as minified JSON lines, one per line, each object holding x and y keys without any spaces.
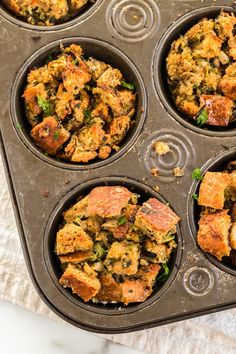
{"x":197,"y":174}
{"x":88,"y":88}
{"x":45,"y":105}
{"x":46,"y":154}
{"x":49,"y":58}
{"x":87,"y":115}
{"x":75,"y":61}
{"x":170,"y":236}
{"x":165,"y":273}
{"x":111,"y":261}
{"x":99,"y":252}
{"x":56,"y":134}
{"x":122,"y":220}
{"x":127,"y":85}
{"x":18,"y":126}
{"x":195,"y":196}
{"x":202,"y":117}
{"x":126,"y":263}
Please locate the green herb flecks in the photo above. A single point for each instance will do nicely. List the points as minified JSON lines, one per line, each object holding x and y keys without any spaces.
{"x":170,"y":236}
{"x":18,"y":126}
{"x":122,"y":220}
{"x":202,"y":117}
{"x":87,"y":116}
{"x":127,"y":85}
{"x":45,"y":105}
{"x":99,"y":252}
{"x":165,"y":274}
{"x":56,"y":134}
{"x":197,"y":174}
{"x":195,"y":196}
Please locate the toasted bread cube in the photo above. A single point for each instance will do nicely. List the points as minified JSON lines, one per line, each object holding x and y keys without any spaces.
{"x":122,"y":258}
{"x":77,"y":210}
{"x":149,"y":273}
{"x":161,"y":251}
{"x":135,"y":291}
{"x":75,"y":77}
{"x":110,"y":77}
{"x":218,"y":108}
{"x":81,"y":283}
{"x":108,"y":202}
{"x":232,"y":236}
{"x":228,"y":83}
{"x":110,"y":290}
{"x":72,"y":238}
{"x":156,"y":219}
{"x":76,"y":257}
{"x":50,"y":135}
{"x":212,"y":189}
{"x":213,"y":234}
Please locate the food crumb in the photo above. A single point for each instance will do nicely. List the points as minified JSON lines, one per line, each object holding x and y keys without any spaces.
{"x":45,"y":193}
{"x":156,"y":188}
{"x":154,"y":172}
{"x":142,"y":109}
{"x":67,"y":181}
{"x":178,"y":172}
{"x":160,"y":147}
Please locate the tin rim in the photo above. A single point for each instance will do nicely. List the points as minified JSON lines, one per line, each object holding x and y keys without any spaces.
{"x":102,"y":49}
{"x":180,"y":26}
{"x":51,"y":261}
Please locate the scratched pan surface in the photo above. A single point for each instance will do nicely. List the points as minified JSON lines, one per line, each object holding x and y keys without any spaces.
{"x":138,"y":34}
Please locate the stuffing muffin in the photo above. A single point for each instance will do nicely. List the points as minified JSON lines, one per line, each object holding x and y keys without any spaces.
{"x":111,"y":249}
{"x":217,"y":223}
{"x":46,"y":12}
{"x":79,"y":109}
{"x":201,"y":71}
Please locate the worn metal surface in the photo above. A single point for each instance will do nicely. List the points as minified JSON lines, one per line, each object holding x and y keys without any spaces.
{"x":199,"y":287}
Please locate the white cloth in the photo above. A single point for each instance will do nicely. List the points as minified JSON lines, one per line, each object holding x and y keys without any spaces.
{"x":211,"y":334}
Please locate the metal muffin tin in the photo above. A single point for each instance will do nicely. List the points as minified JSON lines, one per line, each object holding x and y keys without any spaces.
{"x":133,"y":35}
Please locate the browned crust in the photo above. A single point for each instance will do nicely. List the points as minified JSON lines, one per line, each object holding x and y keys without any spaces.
{"x":108,"y":201}
{"x":212,"y":189}
{"x":213,"y":233}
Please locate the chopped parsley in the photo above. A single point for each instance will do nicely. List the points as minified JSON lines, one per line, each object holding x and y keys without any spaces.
{"x":197,"y":174}
{"x":49,"y":58}
{"x":202,"y":117}
{"x":45,"y":105}
{"x":195,"y":196}
{"x":165,"y":274}
{"x":122,"y":220}
{"x":18,"y":126}
{"x":56,"y":134}
{"x":170,"y":236}
{"x":87,"y":116}
{"x":88,"y":88}
{"x":127,"y":85}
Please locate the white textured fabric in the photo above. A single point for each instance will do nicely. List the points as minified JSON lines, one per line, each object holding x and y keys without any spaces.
{"x":211,"y":334}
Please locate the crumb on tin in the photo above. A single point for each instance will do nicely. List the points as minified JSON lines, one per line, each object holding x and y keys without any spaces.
{"x":178,"y":172}
{"x":45,"y":193}
{"x":156,"y":188}
{"x":160,"y":147}
{"x":154,"y":172}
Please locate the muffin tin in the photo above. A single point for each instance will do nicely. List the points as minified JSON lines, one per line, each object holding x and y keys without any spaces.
{"x":135,"y":36}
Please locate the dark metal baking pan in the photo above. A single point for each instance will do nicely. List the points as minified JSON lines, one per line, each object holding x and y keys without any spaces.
{"x":134,"y":35}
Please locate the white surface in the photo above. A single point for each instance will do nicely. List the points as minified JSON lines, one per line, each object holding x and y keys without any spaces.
{"x":24,"y":332}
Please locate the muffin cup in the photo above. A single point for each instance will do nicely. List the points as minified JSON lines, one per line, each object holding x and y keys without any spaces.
{"x":92,"y":48}
{"x":53,"y":264}
{"x":216,"y":164}
{"x":160,"y":76}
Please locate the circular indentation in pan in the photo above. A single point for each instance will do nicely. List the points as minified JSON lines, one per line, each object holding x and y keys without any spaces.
{"x":181,"y":153}
{"x":179,"y":27}
{"x":84,"y":13}
{"x":55,"y":219}
{"x":198,"y":281}
{"x":91,"y":48}
{"x":133,"y":20}
{"x":216,"y":164}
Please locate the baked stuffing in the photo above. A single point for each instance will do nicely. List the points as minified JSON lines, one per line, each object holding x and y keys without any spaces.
{"x":112,"y":249}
